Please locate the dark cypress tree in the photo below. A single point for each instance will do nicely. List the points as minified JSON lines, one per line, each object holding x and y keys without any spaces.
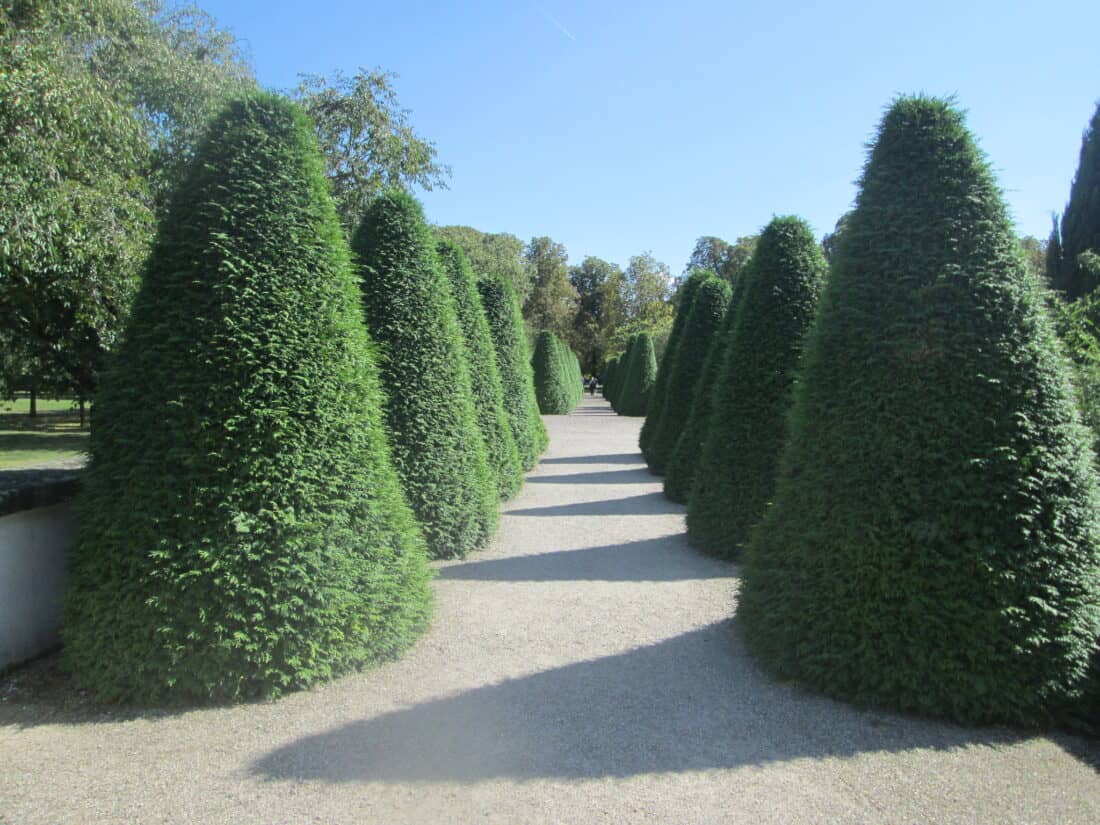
{"x":510,"y":341}
{"x":932,"y":546}
{"x":1054,"y":256}
{"x":641,"y":373}
{"x":553,"y":389}
{"x":488,"y":392}
{"x":609,"y":375}
{"x":737,"y":464}
{"x":659,"y":397}
{"x":1081,"y":220}
{"x":242,"y":531}
{"x":703,"y":324}
{"x":682,"y":465}
{"x":622,"y":371}
{"x":437,"y":446}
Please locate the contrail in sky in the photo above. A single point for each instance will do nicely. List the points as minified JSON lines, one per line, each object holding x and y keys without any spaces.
{"x":554,"y":22}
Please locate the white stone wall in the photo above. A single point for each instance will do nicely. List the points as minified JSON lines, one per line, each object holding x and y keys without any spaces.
{"x":33,"y":547}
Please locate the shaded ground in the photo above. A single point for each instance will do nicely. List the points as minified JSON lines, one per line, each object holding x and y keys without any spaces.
{"x":586,"y":668}
{"x":53,"y":438}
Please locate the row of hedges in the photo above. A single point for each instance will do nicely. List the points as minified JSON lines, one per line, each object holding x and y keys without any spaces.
{"x":893,"y":449}
{"x":558,"y":379}
{"x":268,"y":479}
{"x":633,"y":377}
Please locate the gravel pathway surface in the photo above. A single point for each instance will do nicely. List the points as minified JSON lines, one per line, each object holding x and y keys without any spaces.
{"x":585,"y":668}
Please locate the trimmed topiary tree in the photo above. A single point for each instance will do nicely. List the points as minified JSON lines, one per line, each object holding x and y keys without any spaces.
{"x":932,"y":546}
{"x":682,"y":465}
{"x":621,"y":372}
{"x":552,"y":379}
{"x":610,"y":367}
{"x":641,"y":373}
{"x":437,"y":445}
{"x":1081,"y":220}
{"x":737,"y":464}
{"x":510,"y":341}
{"x":242,"y":531}
{"x":704,"y":321}
{"x":659,"y":396}
{"x":500,"y":446}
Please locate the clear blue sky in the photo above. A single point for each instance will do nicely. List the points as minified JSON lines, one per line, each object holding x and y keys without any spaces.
{"x":621,"y":127}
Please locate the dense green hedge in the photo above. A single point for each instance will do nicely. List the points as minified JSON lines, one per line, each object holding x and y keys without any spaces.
{"x":659,"y":396}
{"x":685,"y":366}
{"x":510,"y":341}
{"x":1081,"y":221}
{"x":553,"y":378}
{"x":488,"y":392}
{"x":641,"y":373}
{"x":609,"y":370}
{"x":621,"y":370}
{"x":437,"y":445}
{"x":683,"y":463}
{"x":933,"y":541}
{"x":242,"y":531}
{"x":737,"y":465}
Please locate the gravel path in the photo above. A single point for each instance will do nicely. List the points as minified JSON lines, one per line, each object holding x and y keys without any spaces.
{"x":583,"y":669}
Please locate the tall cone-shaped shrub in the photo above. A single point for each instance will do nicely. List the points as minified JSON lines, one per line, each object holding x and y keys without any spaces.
{"x":703,"y":324}
{"x":437,"y":445}
{"x":242,"y":531}
{"x":933,"y":542}
{"x":737,"y":465}
{"x":488,"y":392}
{"x":640,"y":377}
{"x":683,"y":464}
{"x":1081,"y":220}
{"x":609,"y":370}
{"x":659,"y":396}
{"x":510,"y":341}
{"x":552,"y":379}
{"x":621,"y":372}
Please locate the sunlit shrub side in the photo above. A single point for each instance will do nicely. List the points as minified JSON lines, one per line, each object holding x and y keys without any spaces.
{"x":932,"y":546}
{"x":737,"y":464}
{"x":1081,"y":220}
{"x":437,"y":445}
{"x":242,"y":531}
{"x":510,"y":341}
{"x":703,"y":323}
{"x":640,"y":377}
{"x":500,"y":446}
{"x":622,"y":371}
{"x":552,"y":377}
{"x":655,"y":411}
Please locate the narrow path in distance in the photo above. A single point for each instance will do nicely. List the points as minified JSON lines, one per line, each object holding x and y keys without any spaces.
{"x":585,"y":668}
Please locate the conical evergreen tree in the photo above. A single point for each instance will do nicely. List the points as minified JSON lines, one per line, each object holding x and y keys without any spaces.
{"x":1053,"y":256}
{"x":622,"y":371}
{"x":488,"y":392}
{"x":640,"y":377}
{"x":437,"y":446}
{"x":737,"y":465}
{"x":1081,"y":220}
{"x":510,"y":341}
{"x":609,"y":375}
{"x":659,"y":397}
{"x":553,"y":389}
{"x":704,"y":322}
{"x":242,"y":531}
{"x":932,"y":546}
{"x":682,"y":465}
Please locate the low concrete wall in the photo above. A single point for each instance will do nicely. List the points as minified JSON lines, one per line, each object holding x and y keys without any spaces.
{"x":34,"y":545}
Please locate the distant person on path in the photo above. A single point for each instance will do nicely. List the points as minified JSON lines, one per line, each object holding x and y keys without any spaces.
{"x":592,"y":382}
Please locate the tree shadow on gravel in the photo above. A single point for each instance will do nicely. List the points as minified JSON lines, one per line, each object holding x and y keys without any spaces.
{"x":647,"y":504}
{"x":693,"y":702}
{"x":633,"y":476}
{"x":667,"y":558}
{"x":612,"y":458}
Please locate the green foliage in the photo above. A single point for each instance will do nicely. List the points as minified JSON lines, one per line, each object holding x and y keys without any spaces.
{"x":659,"y":397}
{"x":685,"y":366}
{"x":737,"y":463}
{"x":510,"y":341}
{"x":552,"y":303}
{"x":639,"y":377}
{"x":488,"y":392}
{"x":552,"y":376}
{"x":437,"y":445}
{"x":609,"y":371}
{"x":595,"y":310}
{"x":1081,"y":220}
{"x":370,"y":146}
{"x":491,"y":254}
{"x":932,"y":546}
{"x":727,"y":261}
{"x":615,"y":391}
{"x":242,"y":531}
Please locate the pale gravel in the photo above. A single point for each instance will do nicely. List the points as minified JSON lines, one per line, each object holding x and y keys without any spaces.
{"x":585,"y":668}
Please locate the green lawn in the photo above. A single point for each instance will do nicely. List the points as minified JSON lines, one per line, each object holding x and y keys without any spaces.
{"x":53,"y":434}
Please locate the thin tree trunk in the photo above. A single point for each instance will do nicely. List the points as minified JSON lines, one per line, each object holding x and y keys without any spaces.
{"x":34,"y":401}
